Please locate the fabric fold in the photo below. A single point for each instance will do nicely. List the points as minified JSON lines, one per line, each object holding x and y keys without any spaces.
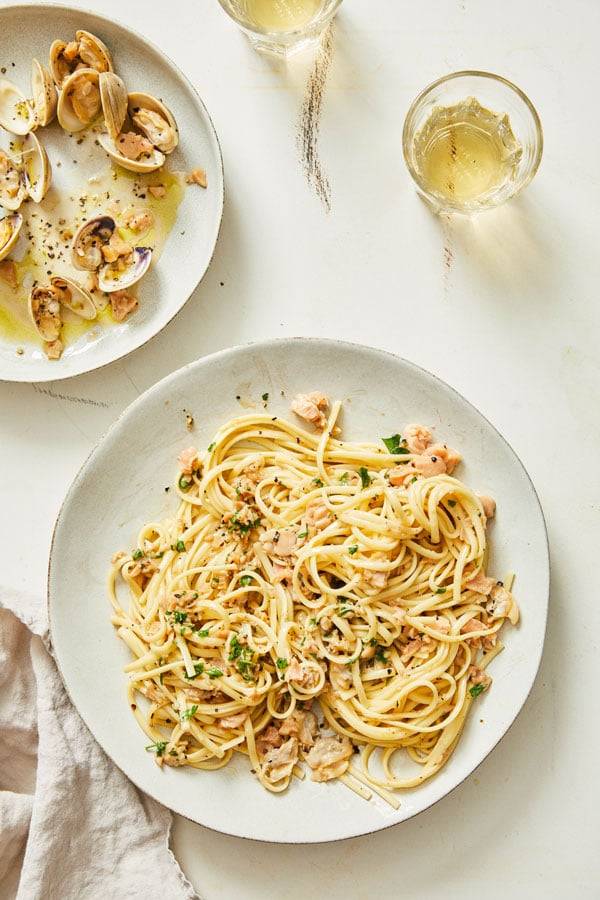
{"x":71,"y":824}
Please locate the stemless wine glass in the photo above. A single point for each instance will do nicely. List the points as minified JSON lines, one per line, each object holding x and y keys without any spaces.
{"x":282,"y":27}
{"x":454,"y":98}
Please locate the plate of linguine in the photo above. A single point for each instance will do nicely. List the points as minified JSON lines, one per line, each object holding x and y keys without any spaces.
{"x":313,"y":603}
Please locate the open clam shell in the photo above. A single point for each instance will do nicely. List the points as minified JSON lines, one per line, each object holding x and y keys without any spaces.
{"x":89,"y":240}
{"x":16,"y":112}
{"x":111,"y":279}
{"x":37,"y":171}
{"x":44,"y":310}
{"x":10,"y":226}
{"x":12,"y":184}
{"x":86,"y":50}
{"x":74,"y":296}
{"x":150,"y":161}
{"x":93,"y":52}
{"x":79,"y":102}
{"x":113,"y":96}
{"x":150,"y":116}
{"x":43,"y":93}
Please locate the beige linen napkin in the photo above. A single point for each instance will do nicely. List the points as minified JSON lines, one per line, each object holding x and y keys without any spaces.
{"x":72,"y":826}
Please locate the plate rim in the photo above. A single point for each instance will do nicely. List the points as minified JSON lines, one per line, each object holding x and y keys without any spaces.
{"x":24,"y":8}
{"x":264,"y":345}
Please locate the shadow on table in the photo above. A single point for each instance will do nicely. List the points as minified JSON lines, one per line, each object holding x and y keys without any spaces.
{"x":516,"y":248}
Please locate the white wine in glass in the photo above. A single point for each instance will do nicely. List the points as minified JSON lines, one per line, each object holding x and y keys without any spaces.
{"x":281,"y":26}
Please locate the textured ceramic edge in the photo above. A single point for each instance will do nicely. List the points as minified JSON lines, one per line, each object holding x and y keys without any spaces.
{"x":52,"y":373}
{"x":263,"y":347}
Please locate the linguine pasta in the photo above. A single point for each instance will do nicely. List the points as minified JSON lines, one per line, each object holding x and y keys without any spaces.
{"x":301,"y":567}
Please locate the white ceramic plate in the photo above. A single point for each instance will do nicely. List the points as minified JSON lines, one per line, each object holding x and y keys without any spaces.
{"x":122,"y":485}
{"x":28,"y":31}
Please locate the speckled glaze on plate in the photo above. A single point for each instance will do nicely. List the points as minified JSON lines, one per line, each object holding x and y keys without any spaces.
{"x":28,"y":31}
{"x":122,"y":485}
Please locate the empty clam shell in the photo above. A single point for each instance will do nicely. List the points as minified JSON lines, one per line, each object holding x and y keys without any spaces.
{"x":154,"y":120}
{"x":10,"y":226}
{"x":113,"y":96}
{"x":79,"y":101}
{"x":12,"y":184}
{"x":86,"y":50}
{"x":123,"y":150}
{"x":111,"y":278}
{"x":37,"y":172}
{"x":44,"y":310}
{"x":89,"y":240}
{"x":43,"y":92}
{"x":16,"y":112}
{"x":74,"y":296}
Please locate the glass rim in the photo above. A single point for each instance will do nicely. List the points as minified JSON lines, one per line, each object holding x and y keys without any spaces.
{"x":477,"y":74}
{"x":276,"y":35}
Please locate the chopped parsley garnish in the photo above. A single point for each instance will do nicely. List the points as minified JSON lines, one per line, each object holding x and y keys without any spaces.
{"x":235,"y":648}
{"x":137,"y":554}
{"x":317,"y":482}
{"x":476,"y":690}
{"x":352,"y":550}
{"x":180,"y":547}
{"x":243,"y":657}
{"x":441,"y":590}
{"x":346,"y":610}
{"x":213,"y":672}
{"x":451,"y":502}
{"x":158,"y":748}
{"x":179,"y":616}
{"x":265,"y":397}
{"x":282,"y":663}
{"x":184,"y":483}
{"x":245,"y":580}
{"x":413,"y":479}
{"x":243,"y":527}
{"x":364,"y":477}
{"x":344,"y":478}
{"x":312,"y":621}
{"x":394,"y":445}
{"x":303,"y":534}
{"x":393,"y":442}
{"x":201,"y":632}
{"x":380,"y":655}
{"x":373,"y":642}
{"x":188,"y":713}
{"x":198,"y":669}
{"x":211,"y":447}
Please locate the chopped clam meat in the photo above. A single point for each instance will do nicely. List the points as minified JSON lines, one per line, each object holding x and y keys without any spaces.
{"x":85,"y":99}
{"x":329,"y":758}
{"x":53,"y":349}
{"x":312,"y":408}
{"x":122,"y":303}
{"x":133,"y":146}
{"x":197,"y":176}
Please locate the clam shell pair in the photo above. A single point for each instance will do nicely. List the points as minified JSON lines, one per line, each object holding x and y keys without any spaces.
{"x":91,"y":53}
{"x":146,"y":114}
{"x":45,"y":302}
{"x":77,"y":74}
{"x":87,"y":255}
{"x":31,"y":174}
{"x":18,"y":113}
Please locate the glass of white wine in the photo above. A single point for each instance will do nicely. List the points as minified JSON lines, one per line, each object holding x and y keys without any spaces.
{"x":282,"y":27}
{"x":471,"y":141}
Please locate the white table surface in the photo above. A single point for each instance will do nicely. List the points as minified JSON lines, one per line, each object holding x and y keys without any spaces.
{"x":504,"y":307}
